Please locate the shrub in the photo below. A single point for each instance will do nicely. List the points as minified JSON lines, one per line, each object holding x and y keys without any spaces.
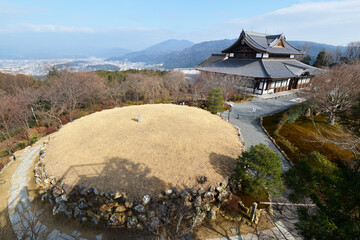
{"x":21,"y":145}
{"x":296,"y":111}
{"x":50,"y":130}
{"x":282,"y":120}
{"x":4,"y":154}
{"x":33,"y":140}
{"x":258,"y":168}
{"x":64,"y":120}
{"x":79,"y":114}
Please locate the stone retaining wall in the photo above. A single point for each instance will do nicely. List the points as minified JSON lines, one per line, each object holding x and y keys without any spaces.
{"x":115,"y":209}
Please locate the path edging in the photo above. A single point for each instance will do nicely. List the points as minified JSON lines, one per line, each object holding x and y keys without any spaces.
{"x":274,"y":142}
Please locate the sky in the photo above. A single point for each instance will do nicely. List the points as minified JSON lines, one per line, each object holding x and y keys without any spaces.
{"x":137,"y":24}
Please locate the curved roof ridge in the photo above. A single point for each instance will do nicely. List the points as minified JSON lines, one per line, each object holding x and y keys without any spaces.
{"x":261,"y":47}
{"x":263,"y":66}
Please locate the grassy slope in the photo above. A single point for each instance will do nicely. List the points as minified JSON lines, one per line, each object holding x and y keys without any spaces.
{"x":302,"y":134}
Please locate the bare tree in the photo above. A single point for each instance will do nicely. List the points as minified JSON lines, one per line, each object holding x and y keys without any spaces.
{"x":32,"y":228}
{"x":305,"y":49}
{"x":335,"y":90}
{"x":12,"y":84}
{"x":7,"y":122}
{"x":68,"y":91}
{"x":49,"y":105}
{"x":329,"y":58}
{"x":134,"y":91}
{"x":151,"y":86}
{"x":242,"y":84}
{"x":172,"y":222}
{"x":353,"y":50}
{"x":343,"y":137}
{"x":176,"y":83}
{"x":20,"y":108}
{"x":116,"y":91}
{"x":338,"y":54}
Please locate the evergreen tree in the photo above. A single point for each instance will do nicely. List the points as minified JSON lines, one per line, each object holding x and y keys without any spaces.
{"x":324,"y":59}
{"x":320,"y":59}
{"x":215,"y":101}
{"x":260,"y":167}
{"x":306,"y":59}
{"x":336,"y":193}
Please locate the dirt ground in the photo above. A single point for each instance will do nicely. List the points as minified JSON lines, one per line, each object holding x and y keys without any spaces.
{"x":221,"y":227}
{"x":171,"y":147}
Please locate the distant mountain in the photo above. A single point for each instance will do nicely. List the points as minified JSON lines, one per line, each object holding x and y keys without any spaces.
{"x":315,"y":48}
{"x":169,"y":46}
{"x":195,"y":54}
{"x":109,"y":52}
{"x":154,"y":53}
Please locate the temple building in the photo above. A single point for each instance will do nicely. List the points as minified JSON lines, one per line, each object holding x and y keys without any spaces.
{"x":267,"y":60}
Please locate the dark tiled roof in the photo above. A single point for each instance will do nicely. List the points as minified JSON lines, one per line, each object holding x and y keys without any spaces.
{"x":265,"y":43}
{"x":213,"y":59}
{"x":261,"y":68}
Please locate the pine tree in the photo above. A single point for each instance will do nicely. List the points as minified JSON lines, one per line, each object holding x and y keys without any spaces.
{"x":320,"y":59}
{"x":215,"y":101}
{"x":260,"y":167}
{"x":336,"y":193}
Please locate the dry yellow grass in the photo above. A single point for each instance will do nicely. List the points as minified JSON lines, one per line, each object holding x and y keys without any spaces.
{"x":172,"y":145}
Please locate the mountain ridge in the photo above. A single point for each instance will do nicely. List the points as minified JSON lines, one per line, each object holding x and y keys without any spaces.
{"x":154,"y":53}
{"x":195,"y":54}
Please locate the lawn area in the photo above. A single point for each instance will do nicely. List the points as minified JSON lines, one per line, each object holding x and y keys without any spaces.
{"x":300,"y":138}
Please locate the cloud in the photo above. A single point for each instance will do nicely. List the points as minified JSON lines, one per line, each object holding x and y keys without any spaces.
{"x":26,"y":27}
{"x":48,"y":28}
{"x":333,"y":22}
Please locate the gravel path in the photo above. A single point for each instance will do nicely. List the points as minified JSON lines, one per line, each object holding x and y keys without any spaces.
{"x":248,"y":121}
{"x":243,"y":117}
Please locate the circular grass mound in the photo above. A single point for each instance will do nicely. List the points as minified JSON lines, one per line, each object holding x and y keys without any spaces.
{"x":171,"y":147}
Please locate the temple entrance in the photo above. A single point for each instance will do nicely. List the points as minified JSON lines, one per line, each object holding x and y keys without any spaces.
{"x":292,"y":84}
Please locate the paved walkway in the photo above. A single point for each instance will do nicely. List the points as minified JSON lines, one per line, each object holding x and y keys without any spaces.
{"x":242,"y":115}
{"x":24,"y":221}
{"x":278,"y":232}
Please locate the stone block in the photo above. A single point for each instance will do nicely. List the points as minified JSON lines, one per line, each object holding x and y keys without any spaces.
{"x":53,"y":235}
{"x":75,"y":233}
{"x":18,"y":228}
{"x":67,"y":237}
{"x":20,"y":208}
{"x":15,"y":218}
{"x":24,"y":223}
{"x":29,"y":216}
{"x":40,"y":228}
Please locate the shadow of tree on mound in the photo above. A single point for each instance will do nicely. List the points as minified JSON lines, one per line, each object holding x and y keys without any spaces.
{"x":222,"y":164}
{"x":116,"y":174}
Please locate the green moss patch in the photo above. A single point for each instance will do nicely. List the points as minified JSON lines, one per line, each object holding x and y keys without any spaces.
{"x":300,"y":138}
